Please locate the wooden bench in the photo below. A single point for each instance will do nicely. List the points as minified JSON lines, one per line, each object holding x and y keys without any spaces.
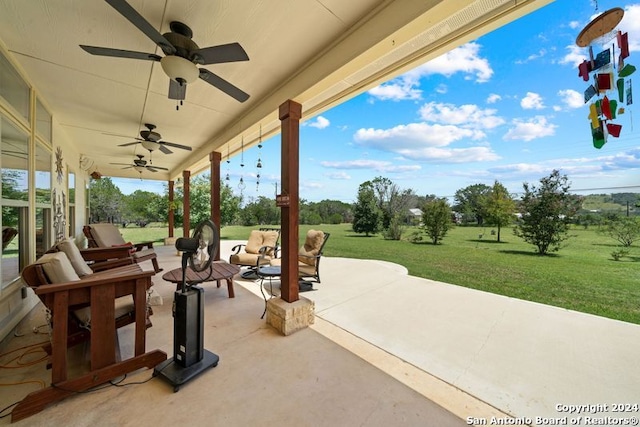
{"x":98,"y":291}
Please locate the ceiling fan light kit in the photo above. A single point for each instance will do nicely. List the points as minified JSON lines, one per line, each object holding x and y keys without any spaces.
{"x":149,"y":145}
{"x":179,"y":69}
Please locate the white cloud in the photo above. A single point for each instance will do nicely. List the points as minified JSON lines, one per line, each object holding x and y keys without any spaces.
{"x":396,"y":90}
{"x":631,"y":24}
{"x":320,"y":122}
{"x":574,"y":24}
{"x":450,"y":155}
{"x":574,"y":56}
{"x":377,"y":165}
{"x":493,"y":98}
{"x":338,"y":175}
{"x":536,"y":127}
{"x":571,"y":98}
{"x":426,"y":142}
{"x":355,"y":164}
{"x":533,"y":56}
{"x":532,"y":101}
{"x":468,"y":116}
{"x":414,"y":135}
{"x":464,"y":59}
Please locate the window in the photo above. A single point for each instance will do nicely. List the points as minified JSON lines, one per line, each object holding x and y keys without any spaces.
{"x":44,"y":225}
{"x":13,"y":89}
{"x":14,"y":147}
{"x":43,"y":121}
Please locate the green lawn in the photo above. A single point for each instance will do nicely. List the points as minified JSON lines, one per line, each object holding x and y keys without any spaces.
{"x":582,"y":276}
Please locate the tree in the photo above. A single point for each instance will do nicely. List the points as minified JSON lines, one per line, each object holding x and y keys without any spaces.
{"x":468,"y":201}
{"x":625,"y":230}
{"x":498,"y":207}
{"x":366,"y":213}
{"x":200,"y":201}
{"x":546,"y":211}
{"x":262,"y":210}
{"x":140,"y":207}
{"x":105,"y":200}
{"x":394,"y":204}
{"x":436,"y":219}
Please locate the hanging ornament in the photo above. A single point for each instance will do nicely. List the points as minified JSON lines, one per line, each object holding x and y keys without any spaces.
{"x":607,"y":90}
{"x":228,"y":162}
{"x":259,"y":163}
{"x":241,"y":184}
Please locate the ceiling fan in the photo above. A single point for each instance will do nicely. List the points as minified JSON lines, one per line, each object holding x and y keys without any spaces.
{"x":182,"y":55}
{"x":152,"y":140}
{"x":140,"y":165}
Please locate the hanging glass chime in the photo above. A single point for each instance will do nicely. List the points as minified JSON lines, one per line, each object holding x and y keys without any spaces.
{"x":228,"y":163}
{"x":259,"y":163}
{"x":241,"y":184}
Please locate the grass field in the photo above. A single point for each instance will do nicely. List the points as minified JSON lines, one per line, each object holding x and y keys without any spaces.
{"x":582,"y":276}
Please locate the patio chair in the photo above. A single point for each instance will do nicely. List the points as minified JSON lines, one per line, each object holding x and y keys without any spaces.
{"x":89,"y":308}
{"x":8,"y":233}
{"x":260,"y":249}
{"x":90,"y":260}
{"x":309,"y":256}
{"x":107,"y":235}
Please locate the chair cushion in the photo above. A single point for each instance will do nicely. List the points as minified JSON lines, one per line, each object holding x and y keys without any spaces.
{"x":270,"y":238}
{"x":73,"y":253}
{"x":247,"y":259}
{"x":58,"y":268}
{"x":106,"y":235}
{"x":311,"y":247}
{"x":255,"y":242}
{"x":123,"y":305}
{"x":81,"y":241}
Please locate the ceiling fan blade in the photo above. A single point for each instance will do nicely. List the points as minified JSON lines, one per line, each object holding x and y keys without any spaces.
{"x":120,"y":164}
{"x":119,"y":53}
{"x":151,"y":169}
{"x":173,"y":144}
{"x":223,"y":85}
{"x":177,"y":91}
{"x":157,"y":168}
{"x":164,"y":149}
{"x":143,"y":25}
{"x":231,"y":52}
{"x":128,"y":143}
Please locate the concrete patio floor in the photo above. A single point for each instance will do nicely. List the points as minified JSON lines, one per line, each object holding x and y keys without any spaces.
{"x":386,"y":349}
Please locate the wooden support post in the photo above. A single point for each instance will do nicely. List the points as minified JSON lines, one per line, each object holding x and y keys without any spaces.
{"x":186,"y":211}
{"x":215,"y":158}
{"x":290,"y":114}
{"x":171,"y":210}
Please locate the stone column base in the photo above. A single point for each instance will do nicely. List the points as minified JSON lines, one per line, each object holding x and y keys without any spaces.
{"x":290,"y":317}
{"x":171,"y":241}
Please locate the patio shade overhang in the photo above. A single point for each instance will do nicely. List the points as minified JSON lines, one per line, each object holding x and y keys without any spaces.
{"x":318,"y":53}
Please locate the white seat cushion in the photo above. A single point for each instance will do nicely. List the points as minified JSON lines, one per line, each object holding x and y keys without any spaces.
{"x":107,"y":235}
{"x":58,"y":268}
{"x":123,"y":306}
{"x":73,"y":253}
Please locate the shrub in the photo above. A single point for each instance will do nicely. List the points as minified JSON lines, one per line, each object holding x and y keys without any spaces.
{"x":619,"y":253}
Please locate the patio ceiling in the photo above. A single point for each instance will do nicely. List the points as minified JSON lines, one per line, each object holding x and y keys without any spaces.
{"x":317,"y":52}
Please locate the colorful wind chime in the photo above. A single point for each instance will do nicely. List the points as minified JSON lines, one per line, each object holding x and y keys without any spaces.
{"x":610,"y":87}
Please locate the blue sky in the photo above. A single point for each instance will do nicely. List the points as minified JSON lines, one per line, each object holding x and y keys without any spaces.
{"x":485,"y":111}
